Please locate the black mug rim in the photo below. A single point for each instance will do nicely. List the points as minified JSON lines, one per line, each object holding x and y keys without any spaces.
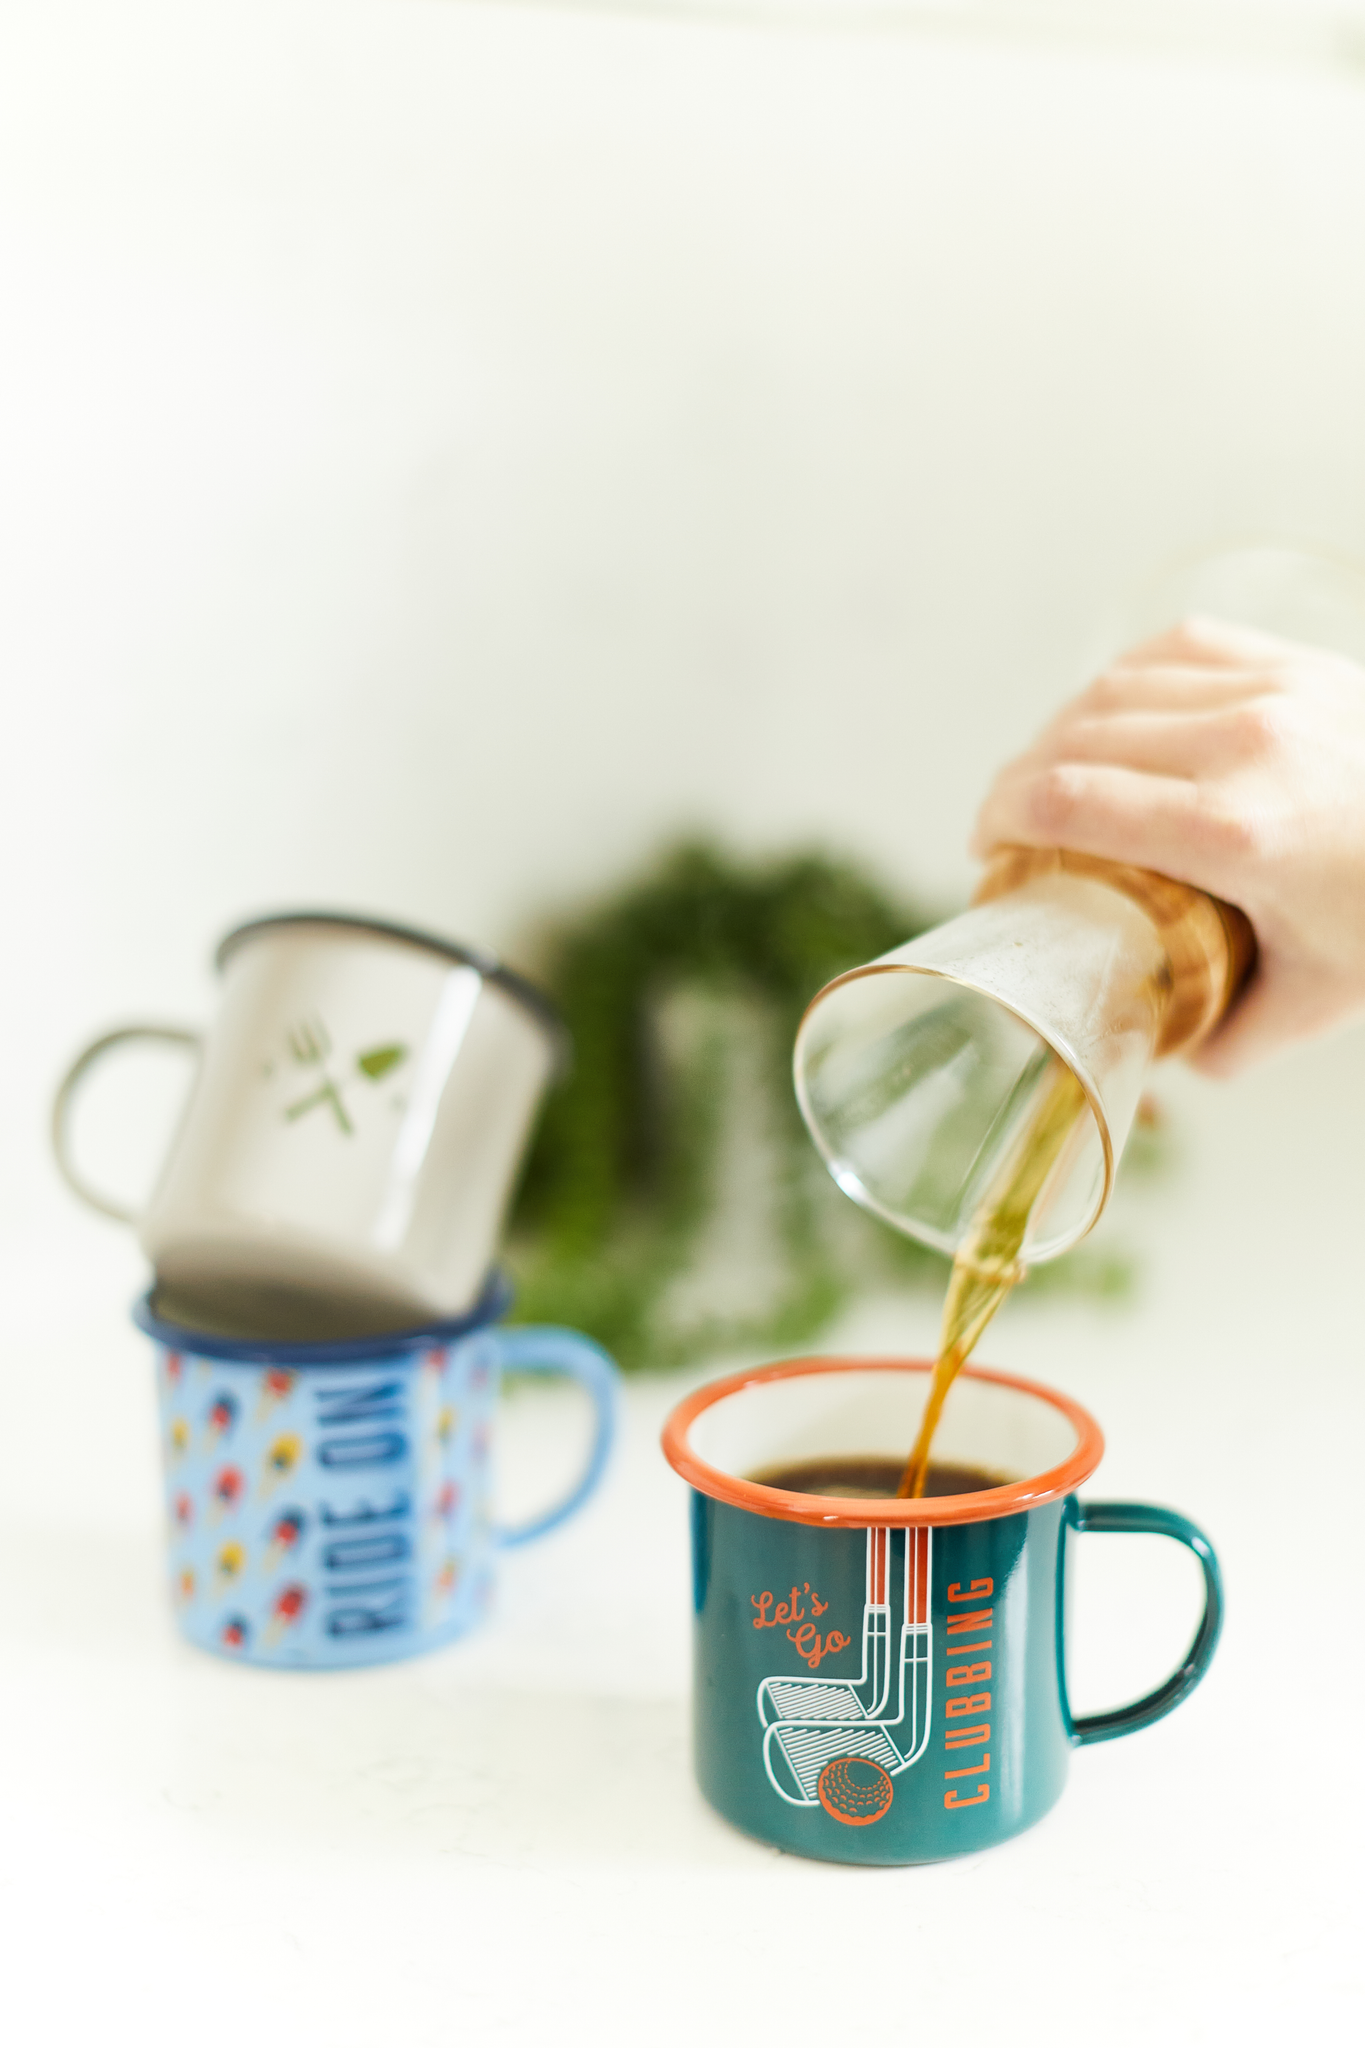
{"x":515,"y":985}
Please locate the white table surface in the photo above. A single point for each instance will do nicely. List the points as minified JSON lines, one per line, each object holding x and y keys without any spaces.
{"x":332,"y":330}
{"x":503,"y":1843}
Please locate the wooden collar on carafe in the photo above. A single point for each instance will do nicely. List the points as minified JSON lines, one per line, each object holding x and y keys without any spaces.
{"x":1210,"y":946}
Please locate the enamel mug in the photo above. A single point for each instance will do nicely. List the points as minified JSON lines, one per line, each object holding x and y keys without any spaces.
{"x":884,"y":1681}
{"x":331,"y":1504}
{"x":349,"y":1144}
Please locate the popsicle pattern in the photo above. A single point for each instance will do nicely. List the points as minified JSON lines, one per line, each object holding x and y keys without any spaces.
{"x":332,"y":1514}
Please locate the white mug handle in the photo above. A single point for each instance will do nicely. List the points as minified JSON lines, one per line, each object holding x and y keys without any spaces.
{"x":164,"y":1034}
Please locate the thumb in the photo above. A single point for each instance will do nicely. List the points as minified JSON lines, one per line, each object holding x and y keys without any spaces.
{"x":1268,"y":1017}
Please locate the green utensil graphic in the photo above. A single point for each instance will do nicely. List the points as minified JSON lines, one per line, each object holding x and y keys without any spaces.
{"x":380,"y":1060}
{"x":309,"y":1044}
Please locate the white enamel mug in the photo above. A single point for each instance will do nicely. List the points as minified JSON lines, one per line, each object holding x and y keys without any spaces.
{"x":348,"y":1148}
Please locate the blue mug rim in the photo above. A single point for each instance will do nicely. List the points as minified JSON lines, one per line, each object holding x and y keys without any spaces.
{"x":491,"y":1305}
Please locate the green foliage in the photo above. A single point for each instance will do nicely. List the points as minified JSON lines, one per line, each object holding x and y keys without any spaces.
{"x":683,"y":992}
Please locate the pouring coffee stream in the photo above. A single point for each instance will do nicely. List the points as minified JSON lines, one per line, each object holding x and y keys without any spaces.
{"x":975,"y":1087}
{"x":988,"y":1266}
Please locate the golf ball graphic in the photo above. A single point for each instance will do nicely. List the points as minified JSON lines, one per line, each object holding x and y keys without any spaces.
{"x":854,"y":1790}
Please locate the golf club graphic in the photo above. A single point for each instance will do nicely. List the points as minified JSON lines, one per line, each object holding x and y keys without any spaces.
{"x":833,"y":1742}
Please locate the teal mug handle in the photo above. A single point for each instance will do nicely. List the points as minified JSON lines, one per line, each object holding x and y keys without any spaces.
{"x":1135,"y":1518}
{"x":563,"y":1354}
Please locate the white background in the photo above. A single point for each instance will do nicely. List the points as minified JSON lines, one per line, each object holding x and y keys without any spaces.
{"x":445,"y":450}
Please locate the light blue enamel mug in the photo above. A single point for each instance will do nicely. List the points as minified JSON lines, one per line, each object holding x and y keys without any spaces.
{"x":330,"y":1504}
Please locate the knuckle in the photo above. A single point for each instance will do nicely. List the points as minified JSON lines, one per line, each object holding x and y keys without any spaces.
{"x":1257,"y":729}
{"x":1232,"y":831}
{"x":1056,"y":797}
{"x":1198,"y":634}
{"x":1107,"y":693}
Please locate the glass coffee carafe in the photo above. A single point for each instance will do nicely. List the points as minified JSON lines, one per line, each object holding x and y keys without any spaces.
{"x":1022,"y":1030}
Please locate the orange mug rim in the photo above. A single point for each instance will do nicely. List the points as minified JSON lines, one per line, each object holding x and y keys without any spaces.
{"x":829,"y":1511}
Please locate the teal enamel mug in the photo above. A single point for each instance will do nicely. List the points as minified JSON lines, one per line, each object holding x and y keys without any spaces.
{"x":879,"y":1680}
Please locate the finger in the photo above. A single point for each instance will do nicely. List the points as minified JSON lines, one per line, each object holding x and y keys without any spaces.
{"x":1267,"y":1018}
{"x":1204,"y":743}
{"x":1249,"y":1034}
{"x":1205,"y":642}
{"x":1115,"y":813}
{"x":1172,"y":686}
{"x":1004,"y":800}
{"x":1159,"y":745}
{"x":1288,"y":1001}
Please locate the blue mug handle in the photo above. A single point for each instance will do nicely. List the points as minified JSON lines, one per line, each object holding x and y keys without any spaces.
{"x":563,"y":1354}
{"x":1134,"y":1518}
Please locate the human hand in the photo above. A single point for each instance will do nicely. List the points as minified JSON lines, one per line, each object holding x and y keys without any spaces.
{"x":1234,"y":762}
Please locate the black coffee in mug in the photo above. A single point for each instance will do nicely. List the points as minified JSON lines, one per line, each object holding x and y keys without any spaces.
{"x":871,"y":1478}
